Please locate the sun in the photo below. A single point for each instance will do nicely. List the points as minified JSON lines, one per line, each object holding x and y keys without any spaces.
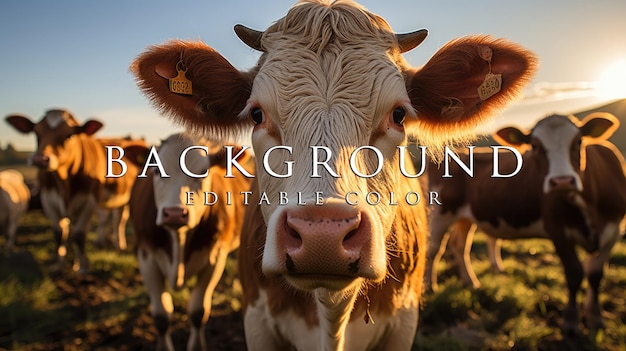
{"x":612,"y":82}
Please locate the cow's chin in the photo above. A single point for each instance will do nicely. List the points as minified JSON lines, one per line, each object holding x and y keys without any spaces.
{"x":310,"y":282}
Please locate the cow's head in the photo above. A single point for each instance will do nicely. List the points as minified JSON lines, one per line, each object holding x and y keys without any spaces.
{"x":558,"y":146}
{"x":182,"y":193}
{"x":57,"y":134}
{"x":332,"y":75}
{"x":177,"y":209}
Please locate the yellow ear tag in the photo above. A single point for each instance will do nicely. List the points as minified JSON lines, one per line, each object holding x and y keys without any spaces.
{"x":493,"y":82}
{"x":490,"y":87}
{"x":180,"y":84}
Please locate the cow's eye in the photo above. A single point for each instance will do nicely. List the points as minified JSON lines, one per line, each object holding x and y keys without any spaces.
{"x":257,"y":115}
{"x":398,"y":115}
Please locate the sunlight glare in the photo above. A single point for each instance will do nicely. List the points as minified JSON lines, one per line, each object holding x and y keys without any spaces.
{"x":612,"y":83}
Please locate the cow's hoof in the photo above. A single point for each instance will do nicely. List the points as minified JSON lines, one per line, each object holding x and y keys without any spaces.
{"x":570,"y":329}
{"x":593,"y":322}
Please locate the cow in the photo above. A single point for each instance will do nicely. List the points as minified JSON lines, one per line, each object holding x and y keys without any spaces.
{"x":113,"y":216}
{"x":14,"y":198}
{"x":181,"y":236}
{"x":571,"y":189}
{"x":71,"y":177}
{"x":330,"y":103}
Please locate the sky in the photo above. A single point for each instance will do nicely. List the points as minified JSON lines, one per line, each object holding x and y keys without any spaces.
{"x":75,"y":54}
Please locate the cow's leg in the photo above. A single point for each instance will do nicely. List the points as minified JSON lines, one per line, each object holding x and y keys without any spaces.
{"x":161,"y":303}
{"x":11,"y":230}
{"x":574,"y":276}
{"x":199,"y":308}
{"x":437,"y":245}
{"x":460,"y":242}
{"x":103,"y":215}
{"x":120,"y":218}
{"x":494,"y":248}
{"x":54,"y":208}
{"x":81,"y":211}
{"x":594,"y":270}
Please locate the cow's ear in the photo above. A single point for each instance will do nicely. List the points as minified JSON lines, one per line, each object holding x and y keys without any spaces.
{"x":206,"y":92}
{"x":20,"y":123}
{"x":218,"y":158}
{"x":512,"y":136}
{"x":90,"y":127}
{"x":468,"y":80}
{"x":599,"y":125}
{"x":137,"y":154}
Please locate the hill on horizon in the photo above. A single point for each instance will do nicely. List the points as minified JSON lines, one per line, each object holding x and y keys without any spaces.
{"x":617,"y":108}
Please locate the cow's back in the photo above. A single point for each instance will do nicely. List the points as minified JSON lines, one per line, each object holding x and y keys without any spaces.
{"x":14,"y":195}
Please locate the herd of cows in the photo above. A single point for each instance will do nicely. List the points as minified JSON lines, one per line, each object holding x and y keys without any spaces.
{"x":326,"y":274}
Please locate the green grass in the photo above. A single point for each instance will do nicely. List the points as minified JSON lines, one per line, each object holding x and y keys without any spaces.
{"x":521,"y":308}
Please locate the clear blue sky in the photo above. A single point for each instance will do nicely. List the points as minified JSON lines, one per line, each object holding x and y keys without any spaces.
{"x":75,"y":54}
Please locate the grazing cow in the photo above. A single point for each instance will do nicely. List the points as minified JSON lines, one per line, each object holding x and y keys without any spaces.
{"x":113,"y":215}
{"x":330,"y":103}
{"x":14,"y":198}
{"x":71,"y":176}
{"x":570,"y":189}
{"x":178,"y":238}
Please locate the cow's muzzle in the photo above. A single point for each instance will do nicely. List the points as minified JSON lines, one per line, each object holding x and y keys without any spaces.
{"x":174,"y":217}
{"x":320,"y":247}
{"x":41,"y":161}
{"x":561,"y":183}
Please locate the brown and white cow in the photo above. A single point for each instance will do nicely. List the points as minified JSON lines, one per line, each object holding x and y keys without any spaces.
{"x":331,"y":85}
{"x":14,"y":198}
{"x":181,"y":236}
{"x":571,"y":189}
{"x":112,"y":217}
{"x":71,"y":176}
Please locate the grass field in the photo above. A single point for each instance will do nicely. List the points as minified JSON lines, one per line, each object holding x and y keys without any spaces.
{"x":108,"y":309}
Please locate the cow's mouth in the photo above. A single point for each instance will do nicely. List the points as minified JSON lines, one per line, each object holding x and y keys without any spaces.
{"x":311,"y":281}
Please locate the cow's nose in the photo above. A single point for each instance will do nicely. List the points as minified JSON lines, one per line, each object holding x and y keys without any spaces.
{"x":327,"y":243}
{"x":175,"y":216}
{"x":562,"y":183}
{"x":42,"y":161}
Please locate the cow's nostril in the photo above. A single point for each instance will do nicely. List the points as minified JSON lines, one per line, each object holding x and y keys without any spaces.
{"x":350,"y":235}
{"x":562,"y":182}
{"x":294,"y":234}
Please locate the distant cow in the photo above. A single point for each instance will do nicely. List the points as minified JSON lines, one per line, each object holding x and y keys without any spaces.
{"x":331,"y":85}
{"x":179,"y":238}
{"x":71,"y":176}
{"x":14,"y":198}
{"x":115,"y":214}
{"x":571,"y":189}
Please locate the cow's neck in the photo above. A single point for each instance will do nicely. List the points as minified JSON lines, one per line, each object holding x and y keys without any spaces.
{"x":334,"y":309}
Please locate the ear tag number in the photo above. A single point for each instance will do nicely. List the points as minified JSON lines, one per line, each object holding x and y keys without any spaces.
{"x":490,"y":87}
{"x":180,"y":84}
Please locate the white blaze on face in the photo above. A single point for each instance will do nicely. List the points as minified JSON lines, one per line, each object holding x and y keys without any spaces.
{"x":171,"y":193}
{"x":55,"y":118}
{"x":340,"y":99}
{"x":557,"y":135}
